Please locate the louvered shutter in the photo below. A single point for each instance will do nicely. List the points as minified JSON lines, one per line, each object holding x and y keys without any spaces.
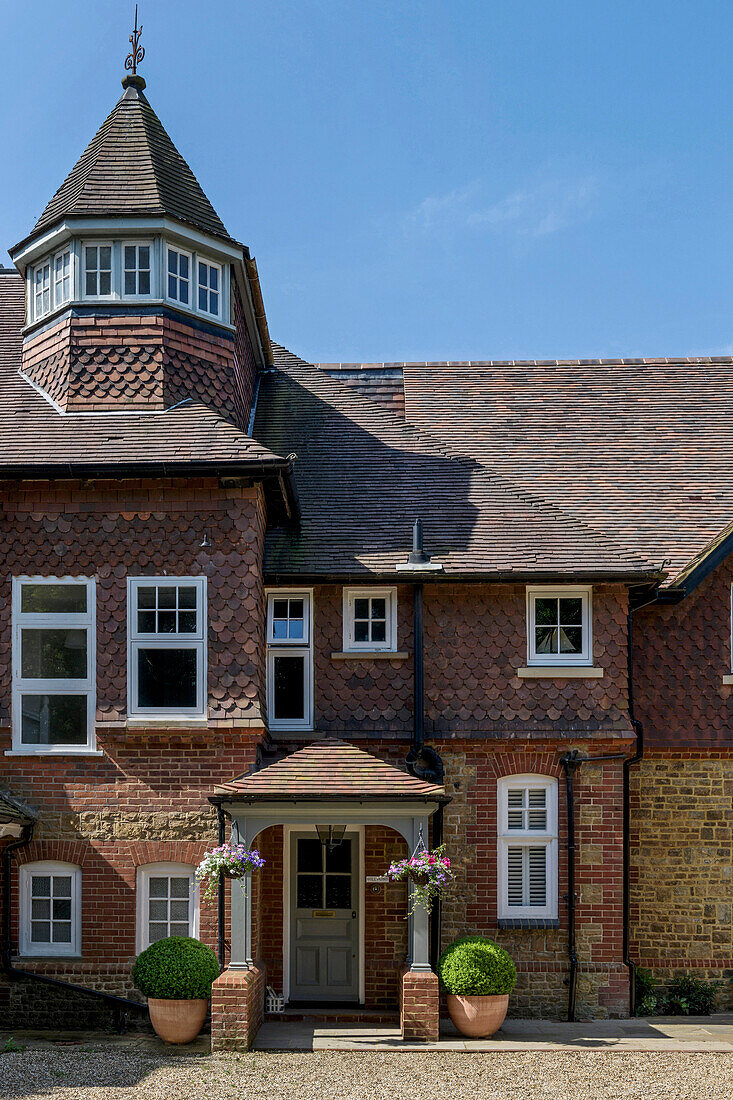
{"x":527,"y":875}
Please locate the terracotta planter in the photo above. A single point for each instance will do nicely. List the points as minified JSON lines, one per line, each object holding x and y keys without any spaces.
{"x":478,"y":1017}
{"x":177,"y":1021}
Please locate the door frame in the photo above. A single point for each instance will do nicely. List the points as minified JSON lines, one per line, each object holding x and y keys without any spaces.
{"x":355,"y":832}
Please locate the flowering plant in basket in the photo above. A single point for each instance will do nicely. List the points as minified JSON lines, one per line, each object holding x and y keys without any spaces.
{"x":232,"y":860}
{"x":429,"y":873}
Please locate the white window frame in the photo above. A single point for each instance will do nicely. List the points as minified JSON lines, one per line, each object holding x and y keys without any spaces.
{"x":57,"y":950}
{"x":351,"y":595}
{"x":138,"y":640}
{"x":112,"y":280}
{"x":58,"y":299}
{"x":300,"y":647}
{"x":210,"y":264}
{"x":137,"y":245}
{"x":45,"y":265}
{"x":49,"y":621}
{"x":582,"y":592}
{"x":155,"y":870}
{"x":527,"y":838}
{"x":168,"y":247}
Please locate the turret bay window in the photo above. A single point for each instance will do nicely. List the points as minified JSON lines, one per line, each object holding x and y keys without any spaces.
{"x":209,"y":287}
{"x":167,"y":902}
{"x":289,"y":660}
{"x":179,"y":276}
{"x":61,"y":278}
{"x":50,"y":909}
{"x":559,"y":626}
{"x":98,"y":270}
{"x":527,"y":847}
{"x":53,"y":664}
{"x":167,"y":647}
{"x":136,"y":270}
{"x":42,"y":289}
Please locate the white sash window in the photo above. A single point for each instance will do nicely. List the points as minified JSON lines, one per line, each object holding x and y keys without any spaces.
{"x":527,"y":846}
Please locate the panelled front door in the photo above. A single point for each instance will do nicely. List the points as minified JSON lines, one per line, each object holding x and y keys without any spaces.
{"x":324,"y":922}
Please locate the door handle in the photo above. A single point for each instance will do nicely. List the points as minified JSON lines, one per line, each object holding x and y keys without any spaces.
{"x":353,"y":914}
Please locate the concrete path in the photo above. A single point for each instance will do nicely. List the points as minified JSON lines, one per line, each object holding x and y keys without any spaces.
{"x":690,"y":1034}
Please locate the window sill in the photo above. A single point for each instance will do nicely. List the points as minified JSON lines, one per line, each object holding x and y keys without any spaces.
{"x":54,"y":752}
{"x":174,"y":722}
{"x":559,"y":672}
{"x":528,"y":923}
{"x":371,"y":655}
{"x":728,"y":679}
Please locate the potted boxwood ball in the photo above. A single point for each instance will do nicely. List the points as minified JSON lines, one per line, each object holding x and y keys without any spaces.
{"x":478,"y":976}
{"x":175,"y":975}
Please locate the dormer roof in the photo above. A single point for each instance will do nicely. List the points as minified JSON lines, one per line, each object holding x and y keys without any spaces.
{"x":131,"y":168}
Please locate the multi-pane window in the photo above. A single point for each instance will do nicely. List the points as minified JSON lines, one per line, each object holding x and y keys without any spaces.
{"x":289,"y":660}
{"x":61,"y":278}
{"x":53,"y":663}
{"x":167,"y":646}
{"x":167,"y":902}
{"x":50,"y":909}
{"x":559,"y":626}
{"x":209,"y":288}
{"x":527,"y":855}
{"x":136,"y":269}
{"x":42,"y":289}
{"x":179,"y":276}
{"x":98,"y":270}
{"x":323,"y":874}
{"x":370,"y":616}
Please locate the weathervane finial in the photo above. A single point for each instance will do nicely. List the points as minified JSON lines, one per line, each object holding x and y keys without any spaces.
{"x":138,"y":52}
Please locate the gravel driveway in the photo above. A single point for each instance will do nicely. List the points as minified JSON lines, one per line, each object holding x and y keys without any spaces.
{"x":63,"y":1074}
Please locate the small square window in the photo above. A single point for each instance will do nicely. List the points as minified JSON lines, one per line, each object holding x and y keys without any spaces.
{"x":559,"y":626}
{"x":370,"y":619}
{"x":50,"y":909}
{"x":167,"y":902}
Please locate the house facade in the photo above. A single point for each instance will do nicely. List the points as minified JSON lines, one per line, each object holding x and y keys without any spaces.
{"x":337,"y":611}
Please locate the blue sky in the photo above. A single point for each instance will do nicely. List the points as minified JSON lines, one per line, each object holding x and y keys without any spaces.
{"x":422,"y":179}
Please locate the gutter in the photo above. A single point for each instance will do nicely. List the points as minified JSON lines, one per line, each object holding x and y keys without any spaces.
{"x":13,"y":973}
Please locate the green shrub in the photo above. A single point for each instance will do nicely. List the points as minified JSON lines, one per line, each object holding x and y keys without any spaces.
{"x":477,"y":967}
{"x":177,"y":968}
{"x":687,"y":996}
{"x":645,"y":987}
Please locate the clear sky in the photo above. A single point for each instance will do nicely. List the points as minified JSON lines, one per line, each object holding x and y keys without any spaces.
{"x":421,"y":179}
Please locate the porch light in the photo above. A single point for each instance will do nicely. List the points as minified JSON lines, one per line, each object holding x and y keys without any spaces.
{"x":332,"y":835}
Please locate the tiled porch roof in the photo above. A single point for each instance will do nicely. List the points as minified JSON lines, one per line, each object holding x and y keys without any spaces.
{"x":328,"y":770}
{"x":13,"y":811}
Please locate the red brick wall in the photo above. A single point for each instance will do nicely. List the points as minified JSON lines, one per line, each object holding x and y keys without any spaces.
{"x":385,"y":910}
{"x":681,"y":653}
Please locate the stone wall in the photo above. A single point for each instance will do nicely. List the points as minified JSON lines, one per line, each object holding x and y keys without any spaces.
{"x":682,"y":865}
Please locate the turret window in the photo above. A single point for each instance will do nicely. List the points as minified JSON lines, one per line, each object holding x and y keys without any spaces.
{"x":61,"y":278}
{"x":42,"y":289}
{"x":98,"y":270}
{"x":179,"y":276}
{"x":137,"y":269}
{"x":209,"y":285}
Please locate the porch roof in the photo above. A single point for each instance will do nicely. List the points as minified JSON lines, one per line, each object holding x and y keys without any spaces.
{"x":328,"y":770}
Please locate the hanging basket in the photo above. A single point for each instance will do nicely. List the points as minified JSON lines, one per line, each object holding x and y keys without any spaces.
{"x":420,"y":878}
{"x":230,"y":860}
{"x":429,"y":873}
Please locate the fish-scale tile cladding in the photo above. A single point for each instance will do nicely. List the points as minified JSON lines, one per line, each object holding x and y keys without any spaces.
{"x":681,"y":653}
{"x":112,"y":530}
{"x":360,"y":694}
{"x":476,"y":639}
{"x":102,"y":362}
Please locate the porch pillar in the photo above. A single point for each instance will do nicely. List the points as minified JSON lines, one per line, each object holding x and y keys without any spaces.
{"x":241,"y":901}
{"x":419,"y":955}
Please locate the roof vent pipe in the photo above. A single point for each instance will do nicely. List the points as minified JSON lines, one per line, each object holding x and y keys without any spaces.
{"x":418,"y":556}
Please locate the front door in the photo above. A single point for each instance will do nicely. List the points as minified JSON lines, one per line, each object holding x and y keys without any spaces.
{"x":324,"y":923}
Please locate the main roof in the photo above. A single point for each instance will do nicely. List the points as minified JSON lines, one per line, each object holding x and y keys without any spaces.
{"x":364,"y":475}
{"x":34,"y":433}
{"x":131,"y":168}
{"x":639,"y":449}
{"x":328,"y":769}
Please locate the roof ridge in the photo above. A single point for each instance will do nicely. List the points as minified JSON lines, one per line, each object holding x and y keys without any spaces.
{"x":445,"y":450}
{"x":472,"y":364}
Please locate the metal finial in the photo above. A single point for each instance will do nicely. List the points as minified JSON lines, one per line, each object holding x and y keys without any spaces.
{"x":138,"y":52}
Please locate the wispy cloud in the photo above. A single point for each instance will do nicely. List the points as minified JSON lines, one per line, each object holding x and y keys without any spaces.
{"x":538,"y":211}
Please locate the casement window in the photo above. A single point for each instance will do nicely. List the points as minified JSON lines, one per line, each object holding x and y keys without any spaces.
{"x":167,"y":902}
{"x":166,"y":658}
{"x":527,"y":846}
{"x":559,"y":626}
{"x":53,"y":664}
{"x":50,"y":909}
{"x":209,"y":281}
{"x":136,"y":269}
{"x":61,"y":278}
{"x":289,"y":660}
{"x":370,"y":619}
{"x":179,"y":276}
{"x":98,"y":270}
{"x":42,"y":289}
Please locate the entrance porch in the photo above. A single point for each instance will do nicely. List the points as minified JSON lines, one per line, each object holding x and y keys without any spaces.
{"x":320,"y":926}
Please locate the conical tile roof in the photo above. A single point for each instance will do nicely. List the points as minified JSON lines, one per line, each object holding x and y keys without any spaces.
{"x":131,"y":168}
